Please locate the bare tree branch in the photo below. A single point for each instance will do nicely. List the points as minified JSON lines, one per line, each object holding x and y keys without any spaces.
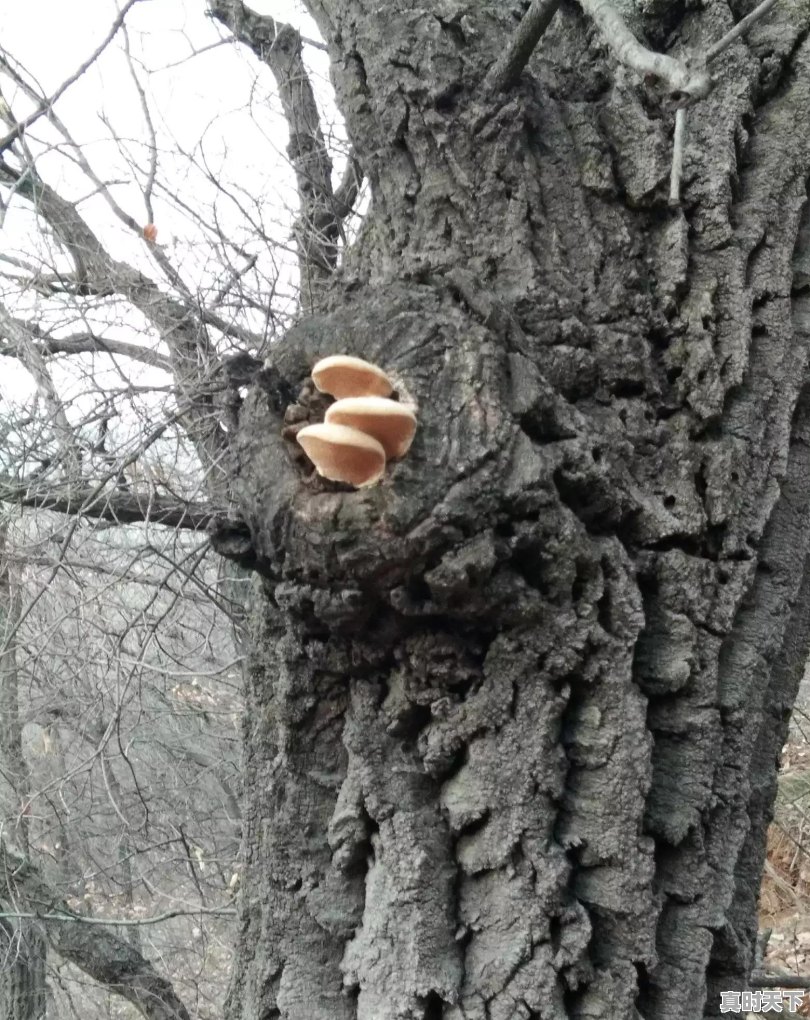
{"x":684,"y":82}
{"x":279,"y":46}
{"x":78,"y":283}
{"x":739,"y":30}
{"x":32,"y":357}
{"x":191,"y":353}
{"x":505,"y":72}
{"x":120,"y":922}
{"x":79,"y":343}
{"x":72,"y":226}
{"x":47,"y":104}
{"x":150,"y":127}
{"x":105,"y":956}
{"x":678,"y":146}
{"x":118,"y":507}
{"x":349,"y":188}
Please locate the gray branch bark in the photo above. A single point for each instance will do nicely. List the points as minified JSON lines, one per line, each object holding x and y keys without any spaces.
{"x":322,"y":212}
{"x":97,"y":951}
{"x":506,"y":71}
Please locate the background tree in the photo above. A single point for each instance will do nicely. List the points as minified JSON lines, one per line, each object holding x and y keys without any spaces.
{"x":123,"y":711}
{"x":513,"y":715}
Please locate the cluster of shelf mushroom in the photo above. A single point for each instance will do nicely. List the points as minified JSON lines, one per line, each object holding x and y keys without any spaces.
{"x":363,"y":429}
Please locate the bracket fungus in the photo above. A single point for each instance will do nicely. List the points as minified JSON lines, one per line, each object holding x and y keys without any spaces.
{"x":343,"y":376}
{"x":390,"y":423}
{"x":343,"y":454}
{"x":362,"y":429}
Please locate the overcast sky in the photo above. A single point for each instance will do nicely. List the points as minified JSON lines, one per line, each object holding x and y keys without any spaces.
{"x":211,"y":104}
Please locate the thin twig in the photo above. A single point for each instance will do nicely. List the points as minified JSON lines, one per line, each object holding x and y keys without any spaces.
{"x":781,"y":980}
{"x":505,"y":72}
{"x":739,"y":29}
{"x":234,"y":277}
{"x":46,"y":104}
{"x":678,"y":145}
{"x":118,"y":922}
{"x":150,"y":127}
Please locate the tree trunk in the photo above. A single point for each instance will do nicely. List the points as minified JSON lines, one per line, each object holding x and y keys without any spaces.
{"x":514,"y":713}
{"x":23,"y":952}
{"x":22,"y":972}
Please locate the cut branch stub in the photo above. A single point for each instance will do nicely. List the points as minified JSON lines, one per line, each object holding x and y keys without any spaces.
{"x":343,"y":454}
{"x":390,"y":423}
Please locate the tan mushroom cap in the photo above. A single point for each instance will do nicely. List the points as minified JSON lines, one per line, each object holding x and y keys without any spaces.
{"x":345,"y":376}
{"x":343,"y":454}
{"x":390,"y":423}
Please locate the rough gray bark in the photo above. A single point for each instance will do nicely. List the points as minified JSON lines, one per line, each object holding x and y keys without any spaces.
{"x":514,"y":715}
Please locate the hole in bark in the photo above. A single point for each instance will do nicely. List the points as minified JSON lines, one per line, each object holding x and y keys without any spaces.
{"x":433,"y":1007}
{"x":529,"y":561}
{"x":505,"y":529}
{"x":586,"y":572}
{"x":674,"y":374}
{"x":360,"y":68}
{"x":596,"y":453}
{"x":589,"y":497}
{"x":664,"y":413}
{"x":409,"y":724}
{"x":669,"y":502}
{"x":603,"y":612}
{"x":555,"y":930}
{"x":715,"y":536}
{"x":759,"y":301}
{"x":456,"y":33}
{"x":370,"y":844}
{"x":643,"y":986}
{"x":571,"y":999}
{"x":628,"y":388}
{"x":541,"y":426}
{"x":700,"y":484}
{"x":446,"y":102}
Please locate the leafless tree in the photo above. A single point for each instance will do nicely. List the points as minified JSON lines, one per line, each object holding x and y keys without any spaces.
{"x":513,"y":715}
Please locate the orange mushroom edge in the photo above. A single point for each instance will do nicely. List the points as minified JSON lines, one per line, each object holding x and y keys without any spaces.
{"x":342,"y":375}
{"x":343,"y":454}
{"x":391,"y":424}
